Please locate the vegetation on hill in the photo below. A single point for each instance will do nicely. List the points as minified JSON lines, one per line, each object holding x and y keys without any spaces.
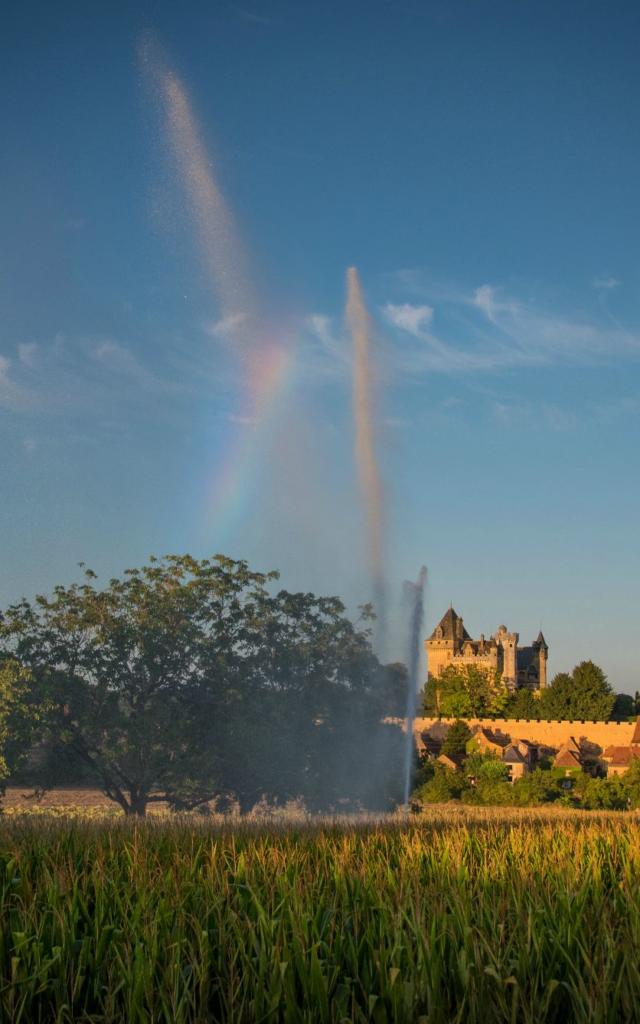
{"x":471,"y":692}
{"x":483,"y":779}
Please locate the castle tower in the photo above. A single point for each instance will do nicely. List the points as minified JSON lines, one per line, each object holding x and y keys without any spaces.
{"x":445,"y":643}
{"x":508,"y":642}
{"x":543,"y":654}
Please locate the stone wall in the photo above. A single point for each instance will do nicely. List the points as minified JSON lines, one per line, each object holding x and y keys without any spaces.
{"x":548,"y":734}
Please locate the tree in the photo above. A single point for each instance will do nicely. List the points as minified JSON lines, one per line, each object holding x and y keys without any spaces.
{"x":141,"y":675}
{"x":455,"y":742}
{"x":585,"y":695}
{"x":395,"y":688}
{"x":17,"y":717}
{"x":446,"y":785}
{"x":522,"y":704}
{"x":465,"y":691}
{"x":631,"y":780}
{"x":190,"y":679}
{"x":605,"y":794}
{"x":624,"y":707}
{"x":537,"y":787}
{"x":485,"y":767}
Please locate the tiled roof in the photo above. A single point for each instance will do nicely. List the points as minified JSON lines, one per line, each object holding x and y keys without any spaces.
{"x":448,"y":624}
{"x":447,"y":761}
{"x":635,"y":739}
{"x":485,"y":736}
{"x":620,"y":755}
{"x":512,"y":755}
{"x":566,"y":758}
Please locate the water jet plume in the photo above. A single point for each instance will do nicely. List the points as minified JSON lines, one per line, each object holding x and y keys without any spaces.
{"x":222,"y":250}
{"x":415,"y":593}
{"x":368,"y":471}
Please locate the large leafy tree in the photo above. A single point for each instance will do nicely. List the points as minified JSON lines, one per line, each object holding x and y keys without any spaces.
{"x":141,"y":676}
{"x":522,"y":704}
{"x":455,"y":742}
{"x":465,"y":691}
{"x":584,"y":694}
{"x":18,"y":717}
{"x":187,"y":679}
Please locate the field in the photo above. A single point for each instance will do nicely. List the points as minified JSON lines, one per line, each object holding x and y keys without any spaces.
{"x":458,"y":915}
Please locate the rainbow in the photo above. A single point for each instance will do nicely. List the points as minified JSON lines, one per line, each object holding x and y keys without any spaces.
{"x":266,"y":361}
{"x":269,"y":376}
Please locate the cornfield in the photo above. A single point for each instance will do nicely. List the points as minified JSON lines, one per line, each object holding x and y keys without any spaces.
{"x":456,"y":915}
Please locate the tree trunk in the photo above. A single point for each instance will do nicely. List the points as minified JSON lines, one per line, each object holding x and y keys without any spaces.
{"x":137,"y":803}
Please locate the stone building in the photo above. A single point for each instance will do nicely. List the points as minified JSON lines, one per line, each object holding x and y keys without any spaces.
{"x":618,"y":758}
{"x":450,"y":644}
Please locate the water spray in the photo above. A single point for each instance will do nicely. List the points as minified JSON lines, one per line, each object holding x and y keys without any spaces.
{"x":368,"y":472}
{"x":415,"y":593}
{"x":221,"y":246}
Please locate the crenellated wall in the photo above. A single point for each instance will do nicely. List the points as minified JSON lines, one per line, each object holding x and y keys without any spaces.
{"x":549,"y":734}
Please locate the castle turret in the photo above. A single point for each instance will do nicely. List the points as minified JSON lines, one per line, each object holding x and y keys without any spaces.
{"x":508,"y":642}
{"x":445,"y":642}
{"x":543,"y":654}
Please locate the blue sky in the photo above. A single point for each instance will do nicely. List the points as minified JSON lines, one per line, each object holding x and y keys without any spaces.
{"x":479,"y":164}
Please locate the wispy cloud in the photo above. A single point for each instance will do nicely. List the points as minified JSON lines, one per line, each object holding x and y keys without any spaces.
{"x":79,"y":375}
{"x":28,"y":353}
{"x":13,"y":396}
{"x":407,"y":317}
{"x":228,"y":328}
{"x":605,"y":284}
{"x":251,"y":16}
{"x":546,"y":415}
{"x":120,"y":360}
{"x":328,"y":350}
{"x":488,"y":329}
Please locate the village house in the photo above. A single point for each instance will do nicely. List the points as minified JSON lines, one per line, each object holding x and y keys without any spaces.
{"x":619,"y":759}
{"x":515,"y":762}
{"x":568,"y":757}
{"x":486,"y":742}
{"x":447,"y":762}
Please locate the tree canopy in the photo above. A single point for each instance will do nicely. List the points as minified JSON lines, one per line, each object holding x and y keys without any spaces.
{"x":465,"y":691}
{"x":583,"y":694}
{"x":188,"y":679}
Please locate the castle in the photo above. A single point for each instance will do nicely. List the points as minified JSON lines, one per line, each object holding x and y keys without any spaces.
{"x":450,"y":644}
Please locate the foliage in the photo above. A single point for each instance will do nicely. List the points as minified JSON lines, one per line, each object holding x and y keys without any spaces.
{"x":423,"y":771}
{"x":465,"y":915}
{"x":485,"y":767}
{"x":17,"y":716}
{"x":605,"y":794}
{"x":535,"y":788}
{"x":465,"y":691}
{"x":584,"y":695}
{"x":471,"y":692}
{"x":624,"y":708}
{"x":394,"y":689}
{"x":445,"y":785}
{"x":187,"y":679}
{"x":522,"y":704}
{"x":455,"y":742}
{"x":632,"y":783}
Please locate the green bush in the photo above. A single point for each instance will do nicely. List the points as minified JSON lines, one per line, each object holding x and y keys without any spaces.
{"x":605,"y":794}
{"x":445,"y":785}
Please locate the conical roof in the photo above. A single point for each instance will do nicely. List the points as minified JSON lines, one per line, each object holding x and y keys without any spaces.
{"x":450,"y":628}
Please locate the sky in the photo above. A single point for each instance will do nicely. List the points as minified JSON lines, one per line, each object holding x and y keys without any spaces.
{"x":183,"y":189}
